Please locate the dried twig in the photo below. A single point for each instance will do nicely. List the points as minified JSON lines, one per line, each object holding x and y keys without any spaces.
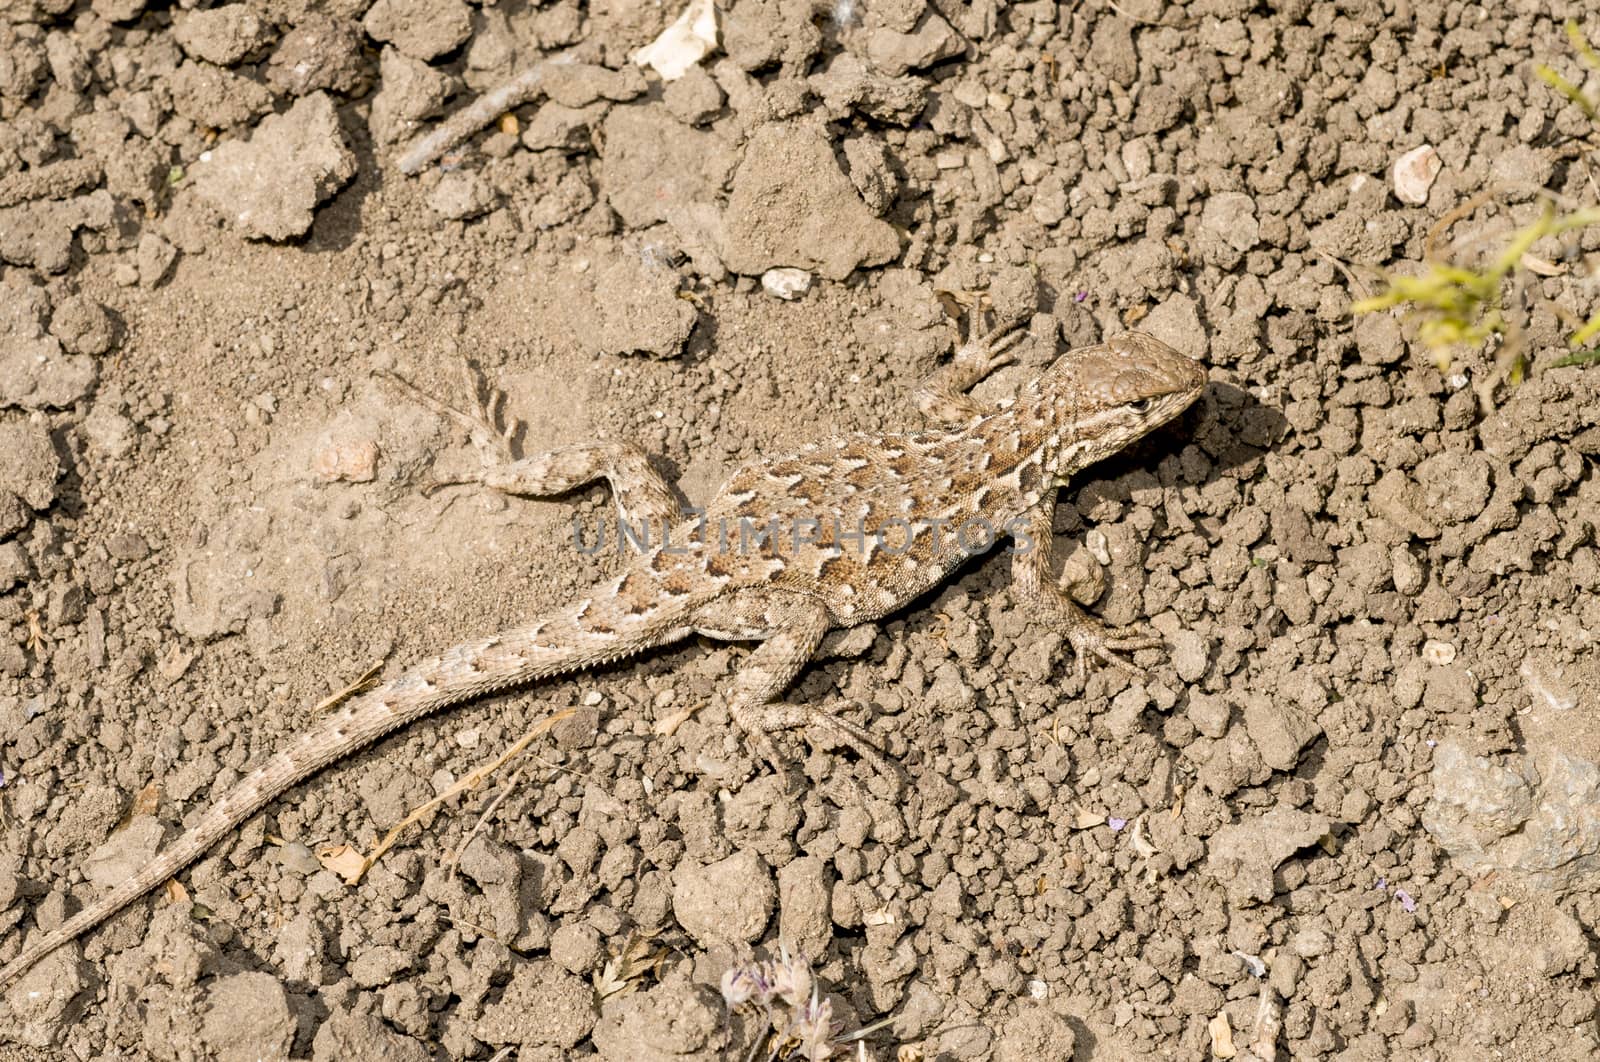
{"x":353,"y":872}
{"x":499,"y":798}
{"x":338,"y":696}
{"x":524,"y":88}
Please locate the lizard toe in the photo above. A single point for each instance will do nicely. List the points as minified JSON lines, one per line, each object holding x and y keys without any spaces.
{"x":991,"y":350}
{"x":761,"y":724}
{"x":765,"y":748}
{"x":1105,"y":645}
{"x":856,"y":737}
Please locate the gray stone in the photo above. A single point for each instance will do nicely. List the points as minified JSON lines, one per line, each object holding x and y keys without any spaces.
{"x":1244,"y":856}
{"x":247,"y":1019}
{"x":1534,"y":815}
{"x":124,"y":852}
{"x":1231,"y":218}
{"x":893,"y":54}
{"x":1279,"y":730}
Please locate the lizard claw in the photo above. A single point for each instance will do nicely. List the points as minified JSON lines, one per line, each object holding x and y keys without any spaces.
{"x":857,"y":737}
{"x":767,"y":749}
{"x":1093,"y":642}
{"x":488,"y":429}
{"x":991,"y":350}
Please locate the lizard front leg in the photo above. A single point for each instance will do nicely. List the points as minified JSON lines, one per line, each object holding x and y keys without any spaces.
{"x":1032,"y":566}
{"x":943,"y":396}
{"x":792,"y":625}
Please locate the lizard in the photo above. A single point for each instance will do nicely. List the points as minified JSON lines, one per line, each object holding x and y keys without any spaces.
{"x":879,"y":503}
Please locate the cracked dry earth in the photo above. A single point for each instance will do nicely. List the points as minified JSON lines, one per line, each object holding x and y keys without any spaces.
{"x":1357,"y":789}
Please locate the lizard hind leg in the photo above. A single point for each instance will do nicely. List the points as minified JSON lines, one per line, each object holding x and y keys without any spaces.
{"x":795,"y":625}
{"x":645,"y":499}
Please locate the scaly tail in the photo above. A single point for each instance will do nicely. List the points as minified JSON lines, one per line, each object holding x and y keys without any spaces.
{"x":588,"y":634}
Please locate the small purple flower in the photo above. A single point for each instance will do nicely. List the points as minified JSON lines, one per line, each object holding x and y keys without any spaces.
{"x":813,"y":1027}
{"x":790,"y":978}
{"x":1405,"y":899}
{"x":1383,"y":883}
{"x":1116,"y":824}
{"x":741,"y":984}
{"x":1433,"y":743}
{"x":1080,"y":296}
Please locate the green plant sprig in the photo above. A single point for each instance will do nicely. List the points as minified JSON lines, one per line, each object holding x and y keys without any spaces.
{"x":1587,"y":56}
{"x":1464,"y":306}
{"x":1459,"y":305}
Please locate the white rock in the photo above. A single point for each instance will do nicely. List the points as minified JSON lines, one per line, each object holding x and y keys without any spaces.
{"x":786,"y":283}
{"x":1548,"y":686}
{"x":1414,"y":174}
{"x":682,"y":44}
{"x":1437,"y":652}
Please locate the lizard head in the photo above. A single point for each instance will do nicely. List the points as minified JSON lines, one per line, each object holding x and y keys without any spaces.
{"x":1108,"y":395}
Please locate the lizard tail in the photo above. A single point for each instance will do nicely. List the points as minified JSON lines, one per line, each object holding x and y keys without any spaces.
{"x":588,"y":634}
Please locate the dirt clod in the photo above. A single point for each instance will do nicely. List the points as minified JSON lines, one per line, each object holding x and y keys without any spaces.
{"x":542,"y":1004}
{"x":269,"y":185}
{"x":1345,"y":801}
{"x":792,"y":206}
{"x":729,"y":900}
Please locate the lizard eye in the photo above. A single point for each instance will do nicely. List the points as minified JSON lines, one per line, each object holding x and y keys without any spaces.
{"x":1141,"y":405}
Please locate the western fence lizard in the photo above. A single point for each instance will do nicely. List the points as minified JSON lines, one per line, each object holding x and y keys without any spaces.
{"x":837,"y":534}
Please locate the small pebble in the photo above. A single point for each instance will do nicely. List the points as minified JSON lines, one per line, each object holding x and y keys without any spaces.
{"x":1414,"y":174}
{"x":298,"y":859}
{"x":1437,"y":652}
{"x":1309,"y":943}
{"x":1098,"y":545}
{"x":352,"y":461}
{"x":786,"y":284}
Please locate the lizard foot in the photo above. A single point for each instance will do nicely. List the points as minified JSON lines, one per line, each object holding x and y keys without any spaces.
{"x":761,"y":723}
{"x":985,"y":353}
{"x":1095,"y":643}
{"x":488,"y":427}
